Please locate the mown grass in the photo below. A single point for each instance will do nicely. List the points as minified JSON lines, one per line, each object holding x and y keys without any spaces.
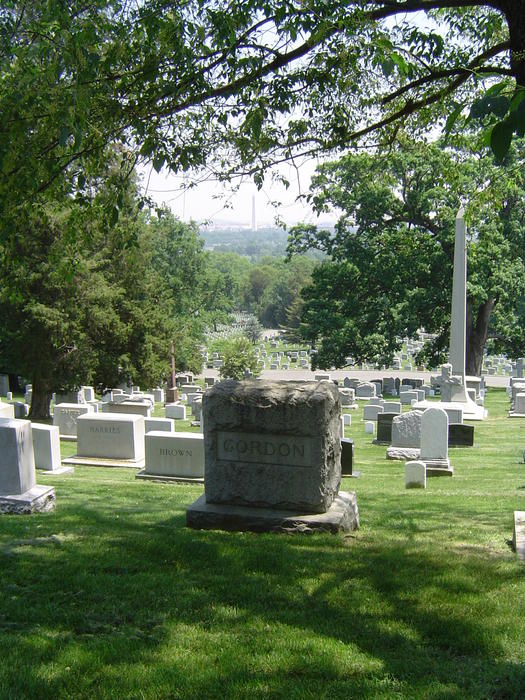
{"x":112,"y":597}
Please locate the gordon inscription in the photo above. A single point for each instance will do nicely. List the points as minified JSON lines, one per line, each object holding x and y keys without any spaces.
{"x":267,"y":449}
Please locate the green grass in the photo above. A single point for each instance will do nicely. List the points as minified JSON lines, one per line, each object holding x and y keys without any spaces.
{"x":112,"y":597}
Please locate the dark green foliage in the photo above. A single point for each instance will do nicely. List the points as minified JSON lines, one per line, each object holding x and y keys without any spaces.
{"x":390,"y":271}
{"x":235,"y":86}
{"x":239,"y":355}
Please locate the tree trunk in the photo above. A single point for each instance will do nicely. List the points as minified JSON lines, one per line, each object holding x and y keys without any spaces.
{"x":40,"y":399}
{"x":477,"y":336}
{"x":514,"y":11}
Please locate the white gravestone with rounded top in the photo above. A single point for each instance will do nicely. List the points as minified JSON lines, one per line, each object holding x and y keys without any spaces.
{"x":434,"y":442}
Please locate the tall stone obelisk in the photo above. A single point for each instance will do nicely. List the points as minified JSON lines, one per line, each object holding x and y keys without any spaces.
{"x":458,"y":321}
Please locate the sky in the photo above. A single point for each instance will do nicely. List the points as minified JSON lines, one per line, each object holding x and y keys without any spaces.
{"x":215,"y":203}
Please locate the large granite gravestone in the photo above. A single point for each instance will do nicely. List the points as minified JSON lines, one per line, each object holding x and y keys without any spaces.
{"x":273,"y":459}
{"x":110,"y":440}
{"x":19,"y":492}
{"x":406,"y":436}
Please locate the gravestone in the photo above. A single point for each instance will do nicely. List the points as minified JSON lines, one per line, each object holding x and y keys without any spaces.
{"x":76,"y":397}
{"x":389,"y":385}
{"x":273,"y":459}
{"x":4,"y":384}
{"x":519,"y":406}
{"x":176,"y":411}
{"x":46,"y":449}
{"x":347,"y":457}
{"x":65,"y":416}
{"x":165,"y":424}
{"x":140,"y":408}
{"x":434,"y":442}
{"x":384,"y":428}
{"x":158,"y":395}
{"x":406,"y":437}
{"x":173,"y":457}
{"x":415,"y":475}
{"x":19,"y":492}
{"x":7,"y":410}
{"x":371,"y":412}
{"x":407,"y":397}
{"x":460,"y":435}
{"x":393,"y":407}
{"x":110,"y":439}
{"x":365,"y":390}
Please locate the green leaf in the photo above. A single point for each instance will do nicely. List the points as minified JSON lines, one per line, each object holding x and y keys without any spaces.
{"x":158,"y":163}
{"x":64,"y":135}
{"x":500,"y":139}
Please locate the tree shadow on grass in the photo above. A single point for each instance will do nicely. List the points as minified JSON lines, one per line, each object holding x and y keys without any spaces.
{"x":128,"y":609}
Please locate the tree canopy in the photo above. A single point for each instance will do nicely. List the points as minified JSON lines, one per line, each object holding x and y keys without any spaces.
{"x":391,"y":255}
{"x":236,"y":86}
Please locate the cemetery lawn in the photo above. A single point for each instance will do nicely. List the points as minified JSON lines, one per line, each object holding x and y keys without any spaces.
{"x":112,"y":597}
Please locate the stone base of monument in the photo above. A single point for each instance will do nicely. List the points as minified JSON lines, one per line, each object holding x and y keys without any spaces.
{"x":471,"y":411}
{"x":104,"y":462}
{"x":342,"y":516}
{"x":69,"y":438}
{"x":142,"y":474}
{"x":405,"y":454}
{"x":438,"y":467}
{"x":38,"y":499}
{"x":57,"y":471}
{"x":513,"y":414}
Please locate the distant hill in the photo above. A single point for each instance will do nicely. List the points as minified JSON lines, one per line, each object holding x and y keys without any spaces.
{"x":254,"y":244}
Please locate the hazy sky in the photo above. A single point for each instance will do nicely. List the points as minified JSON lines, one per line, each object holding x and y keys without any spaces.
{"x":216,"y":203}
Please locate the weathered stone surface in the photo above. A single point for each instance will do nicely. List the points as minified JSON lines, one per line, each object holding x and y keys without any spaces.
{"x":140,"y":408}
{"x":273,"y":444}
{"x":406,"y":436}
{"x":38,"y":499}
{"x":392,"y":407}
{"x":343,"y":515}
{"x":65,"y":416}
